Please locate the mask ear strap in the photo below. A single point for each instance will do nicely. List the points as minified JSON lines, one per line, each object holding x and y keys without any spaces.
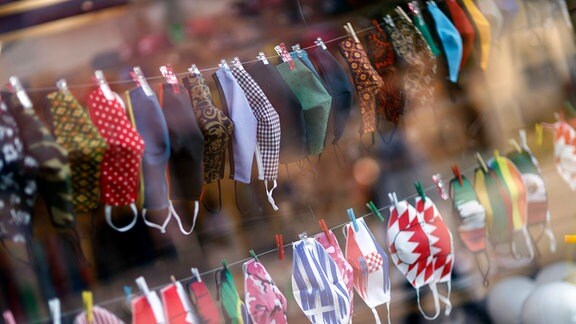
{"x":216,"y":211}
{"x":236,"y":198}
{"x":550,"y":234}
{"x":269,"y":194}
{"x":446,"y":299}
{"x":108,"y":216}
{"x":162,"y":227}
{"x":376,"y":316}
{"x":179,"y":221}
{"x":436,"y":302}
{"x":485,"y":274}
{"x":528,"y":243}
{"x":339,"y":155}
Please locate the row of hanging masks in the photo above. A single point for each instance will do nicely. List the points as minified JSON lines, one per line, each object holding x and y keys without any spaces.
{"x":507,"y":198}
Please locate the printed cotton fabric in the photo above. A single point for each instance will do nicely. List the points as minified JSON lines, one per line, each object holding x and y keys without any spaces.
{"x":471,"y":214}
{"x":264,"y":301}
{"x":75,"y":132}
{"x":207,"y":310}
{"x":100,"y":316}
{"x":233,"y":307}
{"x":565,"y":152}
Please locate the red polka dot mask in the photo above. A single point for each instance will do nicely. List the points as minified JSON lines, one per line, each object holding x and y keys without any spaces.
{"x":120,"y":169}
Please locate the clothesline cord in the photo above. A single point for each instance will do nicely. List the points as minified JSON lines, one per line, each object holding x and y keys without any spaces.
{"x":232,"y":264}
{"x":160,"y":77}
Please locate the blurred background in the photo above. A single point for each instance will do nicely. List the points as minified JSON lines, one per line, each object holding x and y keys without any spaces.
{"x":530,"y":76}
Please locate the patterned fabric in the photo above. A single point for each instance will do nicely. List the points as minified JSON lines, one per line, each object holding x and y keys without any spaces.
{"x":371,"y":278}
{"x":451,"y":40}
{"x":470,"y":213}
{"x":314,"y":99}
{"x":53,"y":177}
{"x":203,"y":302}
{"x":465,"y":28}
{"x":390,"y":100}
{"x":177,"y":306}
{"x":236,"y":106}
{"x":233,"y":307}
{"x":366,"y":79}
{"x":484,"y":31}
{"x":420,"y":23}
{"x":565,"y":152}
{"x":318,"y":288}
{"x":75,"y":132}
{"x":268,"y":130}
{"x":264,"y":301}
{"x":17,"y":182}
{"x":101,"y":316}
{"x":330,"y":244}
{"x":216,"y":128}
{"x":151,"y":126}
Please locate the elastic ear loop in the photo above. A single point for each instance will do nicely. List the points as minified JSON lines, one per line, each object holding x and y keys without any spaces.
{"x":108,"y":216}
{"x":236,"y":198}
{"x":179,"y":221}
{"x":485,"y":274}
{"x":528,"y":243}
{"x":216,"y":211}
{"x":446,"y":299}
{"x":363,"y":146}
{"x":339,"y":155}
{"x":269,"y":194}
{"x":162,"y":227}
{"x":436,"y":302}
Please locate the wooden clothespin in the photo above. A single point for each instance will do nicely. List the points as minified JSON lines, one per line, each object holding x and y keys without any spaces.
{"x":414,"y":6}
{"x":103,"y":84}
{"x":280,"y":245}
{"x":515,"y":144}
{"x":8,"y":317}
{"x":320,"y":43}
{"x":389,"y":21}
{"x":55,"y":310}
{"x":88,"y":302}
{"x":63,"y":86}
{"x":420,"y":190}
{"x":223,"y":64}
{"x":352,"y":218}
{"x":539,"y":133}
{"x":284,"y":55}
{"x":140,"y":80}
{"x":153,"y":300}
{"x":253,"y":255}
{"x":194,"y":70}
{"x":375,"y":210}
{"x":440,"y":186}
{"x":350,"y":30}
{"x":325,"y":229}
{"x":402,"y":13}
{"x":21,"y":94}
{"x":457,"y":174}
{"x":128,"y":293}
{"x":224,"y":264}
{"x":481,"y":162}
{"x":393,"y":199}
{"x":262,"y":57}
{"x":170,"y":77}
{"x":296,"y":48}
{"x":523,"y":139}
{"x":236,"y":63}
{"x":196,"y":274}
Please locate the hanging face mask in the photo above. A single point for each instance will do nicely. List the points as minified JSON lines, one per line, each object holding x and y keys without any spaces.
{"x":390,"y":99}
{"x":472,"y":217}
{"x":151,"y":126}
{"x":75,"y":132}
{"x":267,"y":130}
{"x":203,"y":302}
{"x":293,"y":142}
{"x":484,"y":31}
{"x":420,"y":23}
{"x":493,"y":15}
{"x":17,"y":182}
{"x":264,"y":301}
{"x":53,"y":177}
{"x":441,"y":245}
{"x":238,"y":109}
{"x":177,"y":306}
{"x":370,"y":264}
{"x":318,"y":287}
{"x":367,"y":81}
{"x":186,"y":148}
{"x":315,"y":101}
{"x":451,"y":40}
{"x":565,"y":152}
{"x":410,"y":250}
{"x":330,"y":244}
{"x":464,"y":27}
{"x":302,"y":55}
{"x":216,"y":128}
{"x":147,"y":308}
{"x":232,"y":306}
{"x":337,"y":83}
{"x":120,"y":169}
{"x":99,"y":315}
{"x":536,"y":193}
{"x":509,"y":10}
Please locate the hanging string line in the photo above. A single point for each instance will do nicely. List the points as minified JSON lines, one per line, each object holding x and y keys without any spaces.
{"x":214,"y":68}
{"x":212,"y":271}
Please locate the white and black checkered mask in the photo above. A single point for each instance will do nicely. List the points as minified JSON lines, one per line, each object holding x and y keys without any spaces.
{"x":268,"y":130}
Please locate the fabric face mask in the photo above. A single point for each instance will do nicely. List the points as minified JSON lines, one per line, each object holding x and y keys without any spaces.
{"x":216,"y":128}
{"x":484,"y":31}
{"x":205,"y":306}
{"x":232,"y":306}
{"x":177,"y":306}
{"x":330,"y":244}
{"x":451,"y":40}
{"x":565,"y":152}
{"x":264,"y":301}
{"x":186,"y":148}
{"x":370,"y":264}
{"x":120,"y":169}
{"x":410,"y":250}
{"x":318,"y":287}
{"x":441,"y":245}
{"x":338,"y":85}
{"x":493,"y":15}
{"x":303,"y":56}
{"x":53,"y":177}
{"x":420,"y":23}
{"x":238,"y":109}
{"x":75,"y":132}
{"x":366,"y":80}
{"x":147,"y":308}
{"x":17,"y":182}
{"x":464,"y":27}
{"x":536,"y":193}
{"x":390,"y":99}
{"x":315,"y":101}
{"x":267,"y":130}
{"x":100,"y":315}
